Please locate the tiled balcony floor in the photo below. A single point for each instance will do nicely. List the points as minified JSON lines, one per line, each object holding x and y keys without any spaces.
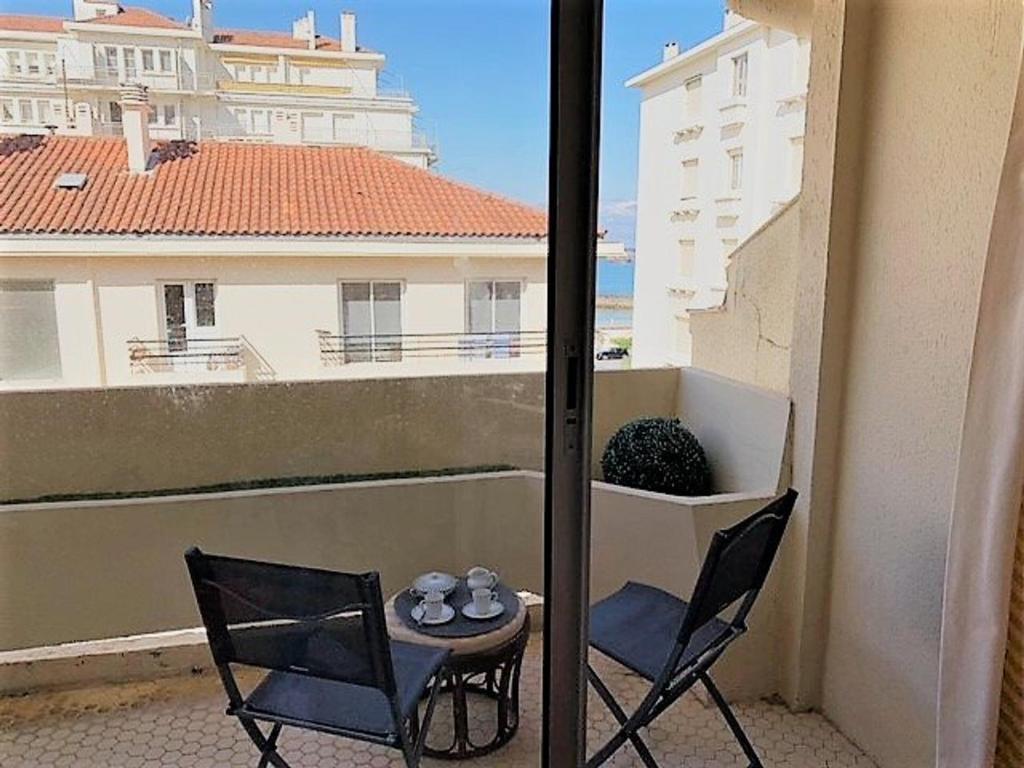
{"x":181,"y":723}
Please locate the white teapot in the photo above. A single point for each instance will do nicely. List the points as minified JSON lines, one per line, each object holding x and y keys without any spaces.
{"x":479,"y":577}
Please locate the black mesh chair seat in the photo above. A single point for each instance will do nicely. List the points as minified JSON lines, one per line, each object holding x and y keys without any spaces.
{"x":673,"y":643}
{"x":639,"y":625}
{"x":342,"y":707}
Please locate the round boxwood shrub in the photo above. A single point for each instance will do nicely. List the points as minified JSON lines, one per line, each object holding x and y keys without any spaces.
{"x":657,"y":454}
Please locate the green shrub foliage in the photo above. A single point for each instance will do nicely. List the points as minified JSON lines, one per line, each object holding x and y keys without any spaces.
{"x":657,"y":454}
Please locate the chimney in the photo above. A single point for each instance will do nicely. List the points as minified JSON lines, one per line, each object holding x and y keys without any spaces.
{"x":670,"y":51}
{"x":135,"y":122}
{"x":348,"y":31}
{"x":305,"y":29}
{"x":202,"y":18}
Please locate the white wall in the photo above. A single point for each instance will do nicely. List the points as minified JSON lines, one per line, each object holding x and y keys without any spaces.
{"x":276,"y":303}
{"x":762,"y":126}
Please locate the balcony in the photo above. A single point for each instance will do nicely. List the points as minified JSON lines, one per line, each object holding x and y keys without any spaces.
{"x":214,"y":359}
{"x":395,"y":348}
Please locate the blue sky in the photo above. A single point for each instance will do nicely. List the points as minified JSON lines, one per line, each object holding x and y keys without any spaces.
{"x":479,"y":71}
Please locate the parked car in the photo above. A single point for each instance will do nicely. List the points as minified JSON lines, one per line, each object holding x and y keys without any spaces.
{"x":613,"y":353}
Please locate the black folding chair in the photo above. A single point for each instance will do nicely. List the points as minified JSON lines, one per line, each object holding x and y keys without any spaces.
{"x":322,"y":638}
{"x":672,"y":643}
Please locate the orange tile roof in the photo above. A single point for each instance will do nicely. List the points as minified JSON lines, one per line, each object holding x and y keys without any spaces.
{"x":132,"y":16}
{"x":260,"y":39}
{"x":235,"y":189}
{"x":23,"y":23}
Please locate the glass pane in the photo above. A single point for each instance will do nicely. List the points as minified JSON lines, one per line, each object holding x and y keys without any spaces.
{"x":174,"y":316}
{"x":481,"y":309}
{"x":356,"y":322}
{"x":387,"y":321}
{"x":205,"y":315}
{"x":28,"y":331}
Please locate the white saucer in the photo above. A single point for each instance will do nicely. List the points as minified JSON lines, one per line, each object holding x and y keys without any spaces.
{"x":469,"y":611}
{"x":447,"y":614}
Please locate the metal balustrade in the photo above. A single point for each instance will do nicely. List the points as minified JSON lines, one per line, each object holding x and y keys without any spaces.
{"x":387,"y":348}
{"x":182,"y":354}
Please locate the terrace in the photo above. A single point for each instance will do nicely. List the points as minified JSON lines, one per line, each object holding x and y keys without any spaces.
{"x":126,"y":679}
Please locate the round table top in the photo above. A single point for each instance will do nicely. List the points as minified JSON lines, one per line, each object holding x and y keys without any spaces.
{"x":460,"y":646}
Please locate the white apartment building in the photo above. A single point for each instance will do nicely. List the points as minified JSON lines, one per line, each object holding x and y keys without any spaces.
{"x":721,"y":149}
{"x":126,"y":262}
{"x":305,"y":87}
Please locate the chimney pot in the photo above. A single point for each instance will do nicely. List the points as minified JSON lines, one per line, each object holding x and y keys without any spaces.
{"x":670,"y":51}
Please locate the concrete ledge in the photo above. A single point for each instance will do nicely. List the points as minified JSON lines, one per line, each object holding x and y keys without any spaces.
{"x":132,"y":659}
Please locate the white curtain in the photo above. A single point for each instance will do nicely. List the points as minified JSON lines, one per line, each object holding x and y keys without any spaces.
{"x":989,"y":485}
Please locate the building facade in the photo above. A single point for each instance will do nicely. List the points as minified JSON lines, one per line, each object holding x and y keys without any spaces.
{"x":66,"y":75}
{"x":721,"y":150}
{"x":129,"y":263}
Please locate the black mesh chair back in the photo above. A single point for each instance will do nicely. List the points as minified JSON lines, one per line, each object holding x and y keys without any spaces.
{"x":737,"y":565}
{"x":321,"y":638}
{"x":294,"y":619}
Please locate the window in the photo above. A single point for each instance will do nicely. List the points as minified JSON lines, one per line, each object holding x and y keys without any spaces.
{"x":32,"y":63}
{"x":154,"y":114}
{"x":735,"y":170}
{"x":739,"y":76}
{"x":14,"y":63}
{"x":260,"y":121}
{"x":687,"y":256}
{"x":205,"y":315}
{"x":689,"y":185}
{"x":693,"y":98}
{"x":343,"y":127}
{"x":24,"y":111}
{"x":7,"y":110}
{"x":371,"y":321}
{"x":50,"y":63}
{"x":170,"y":114}
{"x":110,"y":59}
{"x":148,"y":64}
{"x":166,"y":62}
{"x":114,"y":110}
{"x":189,"y":312}
{"x":29,"y":347}
{"x":129,"y":61}
{"x":43,"y":112}
{"x":493,"y":318}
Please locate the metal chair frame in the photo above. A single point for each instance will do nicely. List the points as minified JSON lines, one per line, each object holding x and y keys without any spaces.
{"x":409,"y":734}
{"x":707,"y":603}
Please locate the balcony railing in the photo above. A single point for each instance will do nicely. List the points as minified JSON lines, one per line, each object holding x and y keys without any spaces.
{"x":186,"y":355}
{"x":388,"y":348}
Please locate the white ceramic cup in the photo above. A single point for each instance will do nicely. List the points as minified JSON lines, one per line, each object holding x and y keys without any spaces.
{"x":433,"y":605}
{"x":483,"y":600}
{"x":479,"y":577}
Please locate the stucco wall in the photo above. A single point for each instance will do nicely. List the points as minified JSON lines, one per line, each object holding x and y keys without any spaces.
{"x":144,"y":438}
{"x":748,"y":338}
{"x":277,"y":303}
{"x":937,"y":93}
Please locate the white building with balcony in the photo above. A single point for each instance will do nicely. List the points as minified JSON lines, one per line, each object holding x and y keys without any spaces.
{"x":303,"y":87}
{"x":721,"y":150}
{"x":126,"y":262}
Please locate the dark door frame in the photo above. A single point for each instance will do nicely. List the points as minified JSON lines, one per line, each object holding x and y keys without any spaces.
{"x":576,"y":29}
